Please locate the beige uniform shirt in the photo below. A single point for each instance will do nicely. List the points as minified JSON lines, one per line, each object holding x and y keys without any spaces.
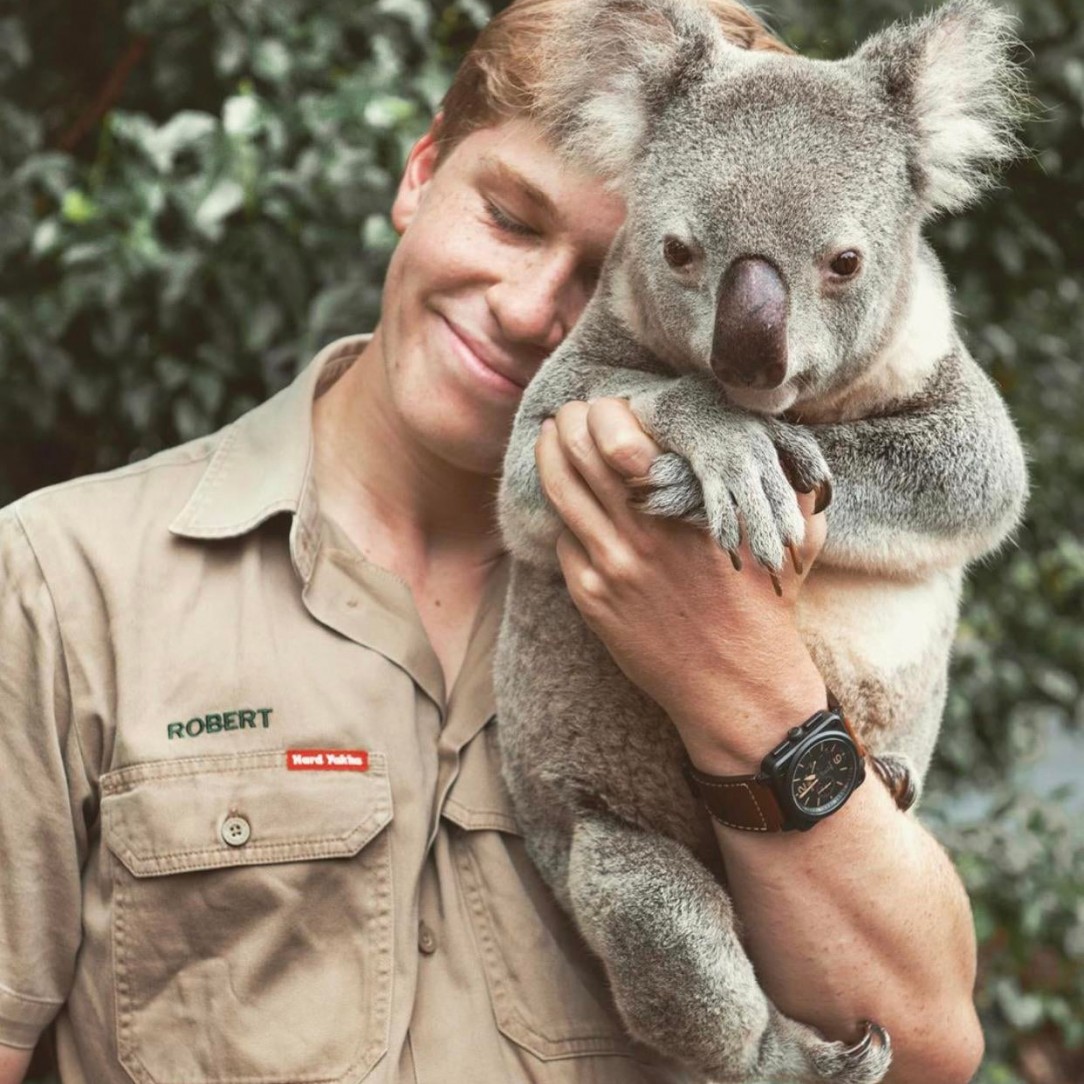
{"x":246,"y":834}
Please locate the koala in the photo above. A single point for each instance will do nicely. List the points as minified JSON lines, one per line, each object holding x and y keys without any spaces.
{"x":776,"y":321}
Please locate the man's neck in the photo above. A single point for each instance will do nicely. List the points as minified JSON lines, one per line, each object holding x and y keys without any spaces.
{"x":402,"y":506}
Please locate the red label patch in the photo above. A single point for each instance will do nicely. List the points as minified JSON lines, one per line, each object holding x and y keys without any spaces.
{"x":327,"y":760}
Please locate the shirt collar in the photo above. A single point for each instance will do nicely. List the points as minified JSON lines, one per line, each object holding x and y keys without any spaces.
{"x":263,"y":464}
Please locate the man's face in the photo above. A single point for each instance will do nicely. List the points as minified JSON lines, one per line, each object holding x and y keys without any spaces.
{"x":501,"y":247}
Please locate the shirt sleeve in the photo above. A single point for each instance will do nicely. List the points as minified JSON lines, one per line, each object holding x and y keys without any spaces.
{"x":43,"y":788}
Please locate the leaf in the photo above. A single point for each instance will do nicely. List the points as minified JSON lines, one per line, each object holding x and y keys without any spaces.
{"x":182,"y":132}
{"x":1023,"y":1011}
{"x":46,"y":237}
{"x":389,"y":111}
{"x":241,"y":114}
{"x":220,"y":202}
{"x":415,"y":12}
{"x":272,"y":60}
{"x":77,"y":207}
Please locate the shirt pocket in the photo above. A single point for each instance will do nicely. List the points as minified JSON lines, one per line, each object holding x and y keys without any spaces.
{"x":548,"y":991}
{"x":251,"y":919}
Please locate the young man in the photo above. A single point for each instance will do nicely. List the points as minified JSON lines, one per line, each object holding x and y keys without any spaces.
{"x":251,"y":819}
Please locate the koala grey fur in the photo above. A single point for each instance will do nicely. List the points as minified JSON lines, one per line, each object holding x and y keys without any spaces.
{"x":782,"y":162}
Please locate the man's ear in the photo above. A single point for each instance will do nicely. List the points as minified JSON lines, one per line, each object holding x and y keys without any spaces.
{"x":420,"y":166}
{"x":951,"y":80}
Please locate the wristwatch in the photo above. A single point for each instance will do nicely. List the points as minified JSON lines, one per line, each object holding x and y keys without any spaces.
{"x":804,"y":779}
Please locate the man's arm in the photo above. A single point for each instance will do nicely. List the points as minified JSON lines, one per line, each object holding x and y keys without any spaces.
{"x":45,"y":788}
{"x":13,"y":1064}
{"x":861,"y":918}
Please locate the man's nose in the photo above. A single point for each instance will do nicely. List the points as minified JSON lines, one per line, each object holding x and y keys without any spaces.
{"x":538,"y":303}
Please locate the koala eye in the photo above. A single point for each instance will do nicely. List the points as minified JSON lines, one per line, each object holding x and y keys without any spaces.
{"x":846,"y":264}
{"x":677,"y":254}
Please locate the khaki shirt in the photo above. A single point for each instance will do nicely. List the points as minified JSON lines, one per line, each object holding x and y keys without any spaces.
{"x":246,"y":833}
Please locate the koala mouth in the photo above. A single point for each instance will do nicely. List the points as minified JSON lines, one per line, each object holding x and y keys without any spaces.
{"x":773,"y":401}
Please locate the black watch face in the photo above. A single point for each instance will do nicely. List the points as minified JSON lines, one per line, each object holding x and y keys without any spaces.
{"x":823,"y":776}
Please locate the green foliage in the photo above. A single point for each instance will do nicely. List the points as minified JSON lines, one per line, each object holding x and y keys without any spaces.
{"x":228,"y":216}
{"x":167,"y":265}
{"x":1023,"y":865}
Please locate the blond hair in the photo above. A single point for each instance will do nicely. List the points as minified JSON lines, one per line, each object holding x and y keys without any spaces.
{"x":497,"y":79}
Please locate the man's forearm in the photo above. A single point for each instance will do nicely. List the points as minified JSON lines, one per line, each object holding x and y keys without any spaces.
{"x":861,"y":918}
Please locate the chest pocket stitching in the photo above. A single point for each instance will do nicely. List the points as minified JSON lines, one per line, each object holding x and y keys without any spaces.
{"x":124,"y":815}
{"x":546,"y":1046}
{"x":473,"y":819}
{"x":343,"y":837}
{"x":115,"y":781}
{"x":479,"y":801}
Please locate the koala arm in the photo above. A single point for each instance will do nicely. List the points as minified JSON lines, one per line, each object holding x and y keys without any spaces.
{"x":937,"y":481}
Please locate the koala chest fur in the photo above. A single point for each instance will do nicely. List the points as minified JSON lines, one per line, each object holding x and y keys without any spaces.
{"x":883,"y":648}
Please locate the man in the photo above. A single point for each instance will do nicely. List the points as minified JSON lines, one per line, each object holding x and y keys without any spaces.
{"x":251,"y":817}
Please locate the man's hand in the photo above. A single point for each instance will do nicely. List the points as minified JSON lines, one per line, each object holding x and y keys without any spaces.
{"x":679,"y":619}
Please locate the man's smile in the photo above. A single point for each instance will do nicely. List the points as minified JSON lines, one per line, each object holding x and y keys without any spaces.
{"x":495,"y":371}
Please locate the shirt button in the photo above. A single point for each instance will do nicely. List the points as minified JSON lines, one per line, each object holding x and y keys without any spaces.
{"x":427,"y":940}
{"x":236,"y":831}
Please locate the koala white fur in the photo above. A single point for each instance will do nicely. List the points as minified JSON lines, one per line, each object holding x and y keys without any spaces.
{"x":731,"y":315}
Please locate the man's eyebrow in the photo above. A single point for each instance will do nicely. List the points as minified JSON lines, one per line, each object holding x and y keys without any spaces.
{"x":511,"y":177}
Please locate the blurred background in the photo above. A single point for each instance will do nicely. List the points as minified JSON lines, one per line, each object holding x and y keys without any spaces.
{"x":193,"y":200}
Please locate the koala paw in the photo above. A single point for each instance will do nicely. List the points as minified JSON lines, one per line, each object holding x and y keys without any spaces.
{"x":671,"y":490}
{"x":864,"y":1062}
{"x":801,"y":459}
{"x":897,"y":772}
{"x":737,"y":478}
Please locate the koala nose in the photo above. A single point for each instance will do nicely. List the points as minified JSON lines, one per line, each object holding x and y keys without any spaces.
{"x":750,"y":342}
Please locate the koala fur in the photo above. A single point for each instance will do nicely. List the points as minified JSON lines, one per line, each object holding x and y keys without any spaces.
{"x":755,"y":365}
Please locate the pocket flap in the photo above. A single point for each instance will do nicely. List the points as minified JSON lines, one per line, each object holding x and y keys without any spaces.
{"x":479,"y":798}
{"x":171,"y":816}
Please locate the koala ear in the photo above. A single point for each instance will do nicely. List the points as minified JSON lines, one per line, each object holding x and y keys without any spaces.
{"x":951,"y":80}
{"x":610,"y":67}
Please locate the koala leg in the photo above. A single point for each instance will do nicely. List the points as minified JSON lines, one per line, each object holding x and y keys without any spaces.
{"x":681,"y":979}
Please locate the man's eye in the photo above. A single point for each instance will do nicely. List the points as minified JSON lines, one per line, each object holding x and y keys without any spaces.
{"x":508,"y":225}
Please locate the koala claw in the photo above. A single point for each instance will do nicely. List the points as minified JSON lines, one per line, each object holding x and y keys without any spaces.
{"x":864,"y":1061}
{"x":796,"y":559}
{"x":735,"y":474}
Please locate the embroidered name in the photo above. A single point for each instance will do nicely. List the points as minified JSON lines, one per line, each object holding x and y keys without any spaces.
{"x":327,"y":760}
{"x":219,"y":722}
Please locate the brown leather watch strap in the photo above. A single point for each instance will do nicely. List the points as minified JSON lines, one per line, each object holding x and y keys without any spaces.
{"x":740,"y":801}
{"x":749,"y":802}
